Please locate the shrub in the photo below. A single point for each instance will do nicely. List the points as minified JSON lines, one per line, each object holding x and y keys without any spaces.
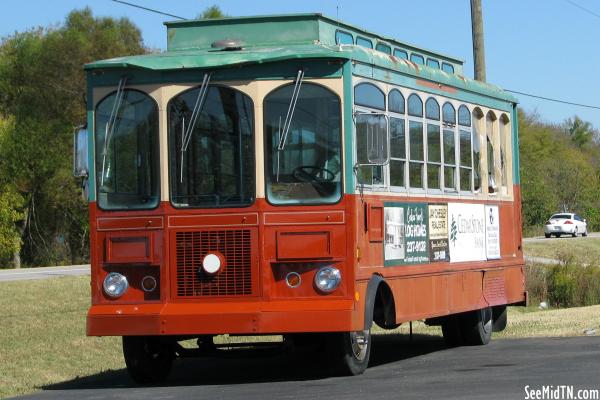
{"x":568,"y":284}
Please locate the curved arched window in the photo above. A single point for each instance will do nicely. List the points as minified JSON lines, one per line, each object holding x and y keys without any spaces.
{"x":396,"y":101}
{"x":304,"y":167}
{"x":449,"y":114}
{"x":127,"y":154}
{"x":504,"y":145}
{"x":432,"y":109}
{"x":464,"y":116}
{"x":369,"y":95}
{"x":211,"y":157}
{"x":492,"y":167}
{"x":415,"y":106}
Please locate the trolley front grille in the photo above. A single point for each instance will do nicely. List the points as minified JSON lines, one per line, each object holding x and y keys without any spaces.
{"x":235,"y":279}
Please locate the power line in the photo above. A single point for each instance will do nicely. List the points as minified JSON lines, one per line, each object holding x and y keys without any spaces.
{"x":148,"y":9}
{"x":511,"y":91}
{"x":554,"y":100}
{"x":587,"y":10}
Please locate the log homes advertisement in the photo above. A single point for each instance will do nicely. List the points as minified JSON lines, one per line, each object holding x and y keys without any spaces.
{"x":406,"y":236}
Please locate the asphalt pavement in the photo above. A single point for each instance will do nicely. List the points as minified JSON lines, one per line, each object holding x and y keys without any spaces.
{"x":43,"y":272}
{"x":400,"y":369}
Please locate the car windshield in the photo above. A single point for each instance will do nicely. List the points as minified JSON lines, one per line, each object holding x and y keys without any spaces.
{"x":212,"y":164}
{"x":127,"y":170}
{"x":306,"y":168}
{"x":561,"y":216}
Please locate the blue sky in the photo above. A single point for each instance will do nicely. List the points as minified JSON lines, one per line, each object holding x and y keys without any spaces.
{"x":540,"y":47}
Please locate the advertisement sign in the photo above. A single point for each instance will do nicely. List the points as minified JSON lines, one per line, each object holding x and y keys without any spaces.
{"x":438,"y":233}
{"x":466,"y":232}
{"x":492,"y":232}
{"x":406,"y":233}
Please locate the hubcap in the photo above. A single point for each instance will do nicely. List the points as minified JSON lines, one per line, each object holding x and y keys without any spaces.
{"x":359,"y":341}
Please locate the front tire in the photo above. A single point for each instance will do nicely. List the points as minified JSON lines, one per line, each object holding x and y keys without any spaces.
{"x":148,"y":358}
{"x":574,"y":234}
{"x":547,"y":235}
{"x":585,"y":233}
{"x":477,"y":327}
{"x":351,"y":351}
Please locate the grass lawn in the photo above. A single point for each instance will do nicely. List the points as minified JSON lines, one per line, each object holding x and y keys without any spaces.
{"x":583,"y":250}
{"x":42,"y":338}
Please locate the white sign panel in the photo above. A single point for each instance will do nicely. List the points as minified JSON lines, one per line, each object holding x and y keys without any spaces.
{"x":466,"y":232}
{"x":492,"y":232}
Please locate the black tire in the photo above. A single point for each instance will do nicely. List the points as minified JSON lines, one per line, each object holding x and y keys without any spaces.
{"x":574,"y":234}
{"x":148,"y":358}
{"x":547,"y":235}
{"x":500,"y":318}
{"x":477,"y":327}
{"x":350,"y":351}
{"x":451,"y":331}
{"x":584,"y":234}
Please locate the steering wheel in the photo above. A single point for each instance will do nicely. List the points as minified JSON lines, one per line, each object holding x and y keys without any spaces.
{"x":313,"y":174}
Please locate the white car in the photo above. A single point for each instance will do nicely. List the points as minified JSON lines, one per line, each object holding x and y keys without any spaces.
{"x":569,"y":223}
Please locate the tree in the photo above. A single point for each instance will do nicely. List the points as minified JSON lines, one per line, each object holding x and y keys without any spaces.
{"x":43,"y":92}
{"x":212,"y":12}
{"x":581,"y":132}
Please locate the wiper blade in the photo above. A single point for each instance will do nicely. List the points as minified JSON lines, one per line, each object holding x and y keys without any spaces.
{"x":290,"y":113}
{"x":112,"y":121}
{"x":187,"y":133}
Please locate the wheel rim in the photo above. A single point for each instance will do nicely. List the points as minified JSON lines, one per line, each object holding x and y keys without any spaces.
{"x":359,"y":341}
{"x":486,"y":319}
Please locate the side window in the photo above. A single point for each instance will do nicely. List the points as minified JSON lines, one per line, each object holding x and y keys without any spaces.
{"x":476,"y":152}
{"x":434,"y":155}
{"x":369,"y":95}
{"x":401,"y":54}
{"x":369,"y":129}
{"x":417,"y":59}
{"x":364,"y":42}
{"x":384,"y":48}
{"x":397,"y":139}
{"x":433,"y":63}
{"x":449,"y":114}
{"x":504,"y":148}
{"x":492,"y":165}
{"x":449,"y":68}
{"x":449,"y":146}
{"x":342,"y":37}
{"x":465,"y":142}
{"x":416,"y":168}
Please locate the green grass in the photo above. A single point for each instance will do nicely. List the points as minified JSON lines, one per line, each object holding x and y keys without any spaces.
{"x":583,"y":250}
{"x":43,"y":342}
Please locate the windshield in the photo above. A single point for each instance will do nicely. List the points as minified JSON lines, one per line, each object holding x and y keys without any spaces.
{"x":306,"y":168}
{"x":213,"y":164}
{"x":127,"y":169}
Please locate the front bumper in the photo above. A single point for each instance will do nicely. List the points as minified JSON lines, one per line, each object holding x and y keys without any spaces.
{"x":221,"y":318}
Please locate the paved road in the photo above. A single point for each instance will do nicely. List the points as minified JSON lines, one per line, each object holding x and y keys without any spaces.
{"x":563,"y":237}
{"x":424,"y":369}
{"x":42,"y":273}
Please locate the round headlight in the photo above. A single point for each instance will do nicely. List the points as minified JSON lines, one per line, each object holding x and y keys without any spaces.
{"x":115,"y":285}
{"x":211,"y":263}
{"x":327,"y":279}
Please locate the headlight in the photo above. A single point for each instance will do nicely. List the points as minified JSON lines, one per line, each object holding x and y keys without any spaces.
{"x":328,"y":279}
{"x":115,"y":285}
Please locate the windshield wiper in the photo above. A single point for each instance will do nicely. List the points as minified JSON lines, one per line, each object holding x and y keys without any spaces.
{"x":187,"y":133}
{"x":290,"y":114}
{"x":112,"y":120}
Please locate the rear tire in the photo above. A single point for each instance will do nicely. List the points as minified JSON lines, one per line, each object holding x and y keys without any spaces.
{"x":584,"y":234}
{"x":477,"y":326}
{"x":148,"y":358}
{"x":350,"y":351}
{"x":451,"y":331}
{"x":499,"y":318}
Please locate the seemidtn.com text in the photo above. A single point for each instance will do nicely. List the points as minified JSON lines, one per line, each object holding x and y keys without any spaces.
{"x":560,"y":392}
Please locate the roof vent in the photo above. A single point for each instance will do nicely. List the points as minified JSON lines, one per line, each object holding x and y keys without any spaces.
{"x":227,"y":44}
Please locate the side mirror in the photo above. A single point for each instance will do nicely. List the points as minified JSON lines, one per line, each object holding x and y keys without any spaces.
{"x":80,"y":153}
{"x":372,"y":139}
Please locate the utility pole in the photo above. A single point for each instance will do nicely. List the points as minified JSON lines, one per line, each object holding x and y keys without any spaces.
{"x":478,"y":46}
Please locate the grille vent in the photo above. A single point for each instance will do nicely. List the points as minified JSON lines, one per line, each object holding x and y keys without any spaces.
{"x":234,"y":280}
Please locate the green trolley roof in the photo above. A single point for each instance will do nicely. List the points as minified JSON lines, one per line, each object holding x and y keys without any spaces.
{"x":281,"y":38}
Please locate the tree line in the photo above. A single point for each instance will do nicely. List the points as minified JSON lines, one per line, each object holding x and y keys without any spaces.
{"x":43,"y":217}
